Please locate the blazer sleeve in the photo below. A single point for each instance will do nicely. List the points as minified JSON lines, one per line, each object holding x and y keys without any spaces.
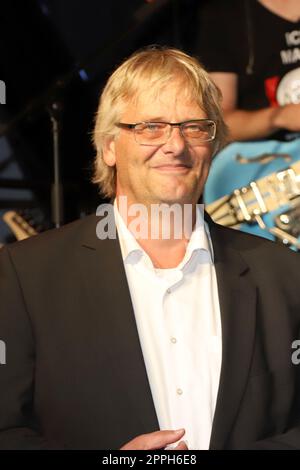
{"x":290,"y":440}
{"x":19,"y":427}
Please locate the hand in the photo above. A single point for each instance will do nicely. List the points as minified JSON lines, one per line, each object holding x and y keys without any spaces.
{"x":287,"y":117}
{"x":156,"y":440}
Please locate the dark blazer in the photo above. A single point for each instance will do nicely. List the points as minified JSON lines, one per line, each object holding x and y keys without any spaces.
{"x":74,"y":375}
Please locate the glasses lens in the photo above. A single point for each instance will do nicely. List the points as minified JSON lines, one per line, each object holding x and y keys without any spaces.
{"x":199,"y":131}
{"x":151,"y":133}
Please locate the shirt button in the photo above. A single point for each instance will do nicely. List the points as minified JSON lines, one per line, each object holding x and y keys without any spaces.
{"x":169,"y":291}
{"x":173,"y":340}
{"x":179,"y":391}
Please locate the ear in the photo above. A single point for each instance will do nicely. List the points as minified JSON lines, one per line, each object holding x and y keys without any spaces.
{"x":109,"y":152}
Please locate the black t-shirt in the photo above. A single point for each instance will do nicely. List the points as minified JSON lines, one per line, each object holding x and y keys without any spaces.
{"x":244,"y":37}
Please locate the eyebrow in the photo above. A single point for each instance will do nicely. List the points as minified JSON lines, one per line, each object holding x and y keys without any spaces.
{"x":152,"y":119}
{"x":161,"y":119}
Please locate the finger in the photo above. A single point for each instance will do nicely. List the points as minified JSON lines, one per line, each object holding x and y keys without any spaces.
{"x":154,"y":440}
{"x":181,"y":446}
{"x":160,"y":439}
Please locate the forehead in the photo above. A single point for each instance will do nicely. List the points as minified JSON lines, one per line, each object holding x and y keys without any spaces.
{"x":174,"y":99}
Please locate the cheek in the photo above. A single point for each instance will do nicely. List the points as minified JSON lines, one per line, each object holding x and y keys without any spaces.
{"x":203,"y":158}
{"x":131,"y":158}
{"x":129,"y":165}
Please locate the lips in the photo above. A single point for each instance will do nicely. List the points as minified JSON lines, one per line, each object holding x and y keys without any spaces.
{"x":172,"y":167}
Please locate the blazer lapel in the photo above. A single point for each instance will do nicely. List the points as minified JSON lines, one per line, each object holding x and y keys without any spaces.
{"x":108,"y":289}
{"x":237,"y":295}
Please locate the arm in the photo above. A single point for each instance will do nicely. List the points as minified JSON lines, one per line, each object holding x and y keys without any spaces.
{"x":287,"y":441}
{"x":250,"y":125}
{"x":18,"y":424}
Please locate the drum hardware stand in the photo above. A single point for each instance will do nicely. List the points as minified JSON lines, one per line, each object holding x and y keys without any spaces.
{"x":263,"y":159}
{"x":285,"y":237}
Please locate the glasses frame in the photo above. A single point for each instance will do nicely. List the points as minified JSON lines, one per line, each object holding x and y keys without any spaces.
{"x":123,"y":125}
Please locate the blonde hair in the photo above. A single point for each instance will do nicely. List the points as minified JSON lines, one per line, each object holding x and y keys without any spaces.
{"x":150,"y":69}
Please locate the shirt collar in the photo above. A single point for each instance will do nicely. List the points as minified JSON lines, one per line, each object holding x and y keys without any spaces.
{"x":128,"y":243}
{"x":132,"y":252}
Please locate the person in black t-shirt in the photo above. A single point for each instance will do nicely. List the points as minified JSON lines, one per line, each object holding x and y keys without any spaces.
{"x":252,"y":49}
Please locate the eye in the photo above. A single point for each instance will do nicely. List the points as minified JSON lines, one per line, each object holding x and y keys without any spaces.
{"x":195,"y":128}
{"x":154,"y":126}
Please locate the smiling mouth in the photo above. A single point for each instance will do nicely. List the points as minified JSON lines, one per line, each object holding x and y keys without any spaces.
{"x":173,"y":168}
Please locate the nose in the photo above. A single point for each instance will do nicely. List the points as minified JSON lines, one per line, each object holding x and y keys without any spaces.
{"x":176,"y":142}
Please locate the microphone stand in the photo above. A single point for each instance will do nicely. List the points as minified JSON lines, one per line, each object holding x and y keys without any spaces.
{"x":55,"y":113}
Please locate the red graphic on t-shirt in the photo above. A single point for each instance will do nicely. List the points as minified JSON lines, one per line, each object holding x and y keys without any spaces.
{"x":270,"y":89}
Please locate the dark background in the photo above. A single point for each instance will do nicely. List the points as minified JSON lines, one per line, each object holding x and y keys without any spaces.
{"x":63,"y":51}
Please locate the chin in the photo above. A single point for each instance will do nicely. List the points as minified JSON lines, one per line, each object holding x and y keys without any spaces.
{"x":179,"y":195}
{"x":174,"y":199}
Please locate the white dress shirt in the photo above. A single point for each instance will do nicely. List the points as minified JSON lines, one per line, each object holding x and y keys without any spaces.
{"x":178,"y":320}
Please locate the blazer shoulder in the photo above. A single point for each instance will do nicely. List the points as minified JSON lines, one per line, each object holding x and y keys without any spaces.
{"x":254,"y":249}
{"x":56,"y":240}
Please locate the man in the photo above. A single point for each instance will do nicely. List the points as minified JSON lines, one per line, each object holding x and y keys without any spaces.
{"x":147,"y":342}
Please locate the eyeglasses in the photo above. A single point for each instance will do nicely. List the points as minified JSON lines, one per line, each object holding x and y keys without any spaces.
{"x":195,"y":131}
